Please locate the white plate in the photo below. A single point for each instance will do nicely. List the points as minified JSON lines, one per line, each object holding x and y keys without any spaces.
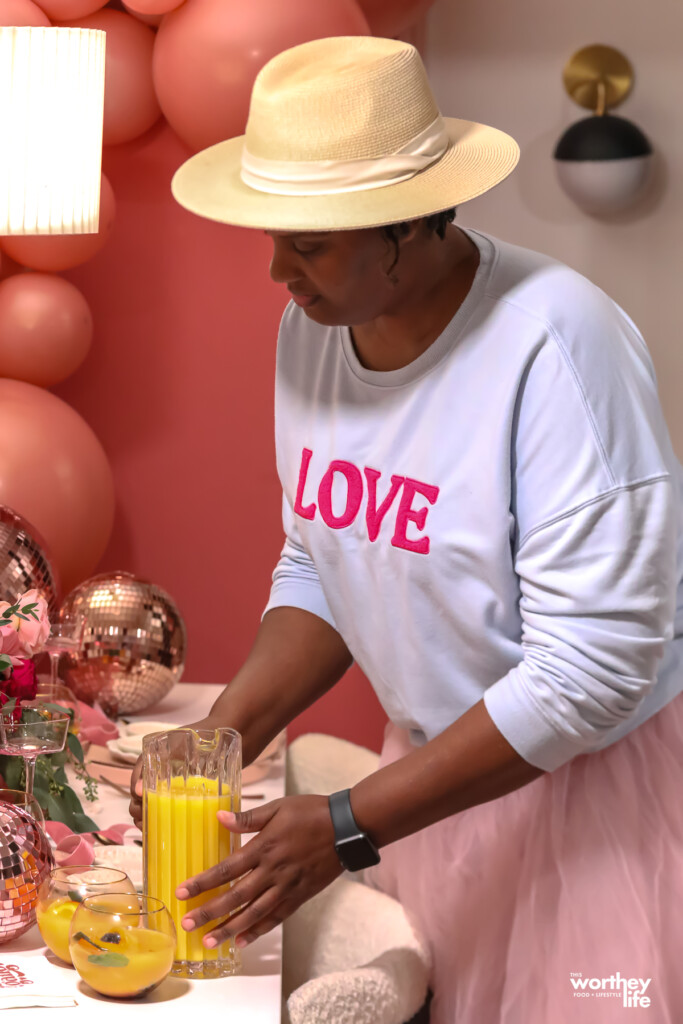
{"x":123,"y":755}
{"x":144,"y":728}
{"x":126,"y":858}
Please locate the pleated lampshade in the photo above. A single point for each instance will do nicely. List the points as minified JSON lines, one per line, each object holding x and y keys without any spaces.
{"x":51,"y":111}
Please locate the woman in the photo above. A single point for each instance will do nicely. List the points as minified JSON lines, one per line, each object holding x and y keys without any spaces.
{"x":481,"y":507}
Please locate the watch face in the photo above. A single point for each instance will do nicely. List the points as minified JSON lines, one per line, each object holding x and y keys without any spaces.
{"x":357,"y":852}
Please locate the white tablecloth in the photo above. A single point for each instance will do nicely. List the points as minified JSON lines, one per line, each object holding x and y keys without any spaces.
{"x":254,"y":997}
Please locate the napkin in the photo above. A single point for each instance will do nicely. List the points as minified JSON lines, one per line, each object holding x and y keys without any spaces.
{"x":27,"y":981}
{"x":79,"y":847}
{"x":95,"y":726}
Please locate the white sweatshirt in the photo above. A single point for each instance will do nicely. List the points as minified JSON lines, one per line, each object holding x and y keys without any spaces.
{"x":501,"y":518}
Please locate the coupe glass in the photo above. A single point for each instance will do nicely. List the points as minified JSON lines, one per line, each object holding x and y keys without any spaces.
{"x":45,"y":735}
{"x":64,"y":638}
{"x":122,"y":946}
{"x":62,"y":893}
{"x":57,"y":693}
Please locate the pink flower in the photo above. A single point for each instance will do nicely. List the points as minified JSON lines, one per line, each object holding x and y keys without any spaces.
{"x":32,"y":629}
{"x":10,"y":643}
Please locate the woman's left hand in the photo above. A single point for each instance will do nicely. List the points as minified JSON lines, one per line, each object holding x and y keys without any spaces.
{"x":290,"y":860}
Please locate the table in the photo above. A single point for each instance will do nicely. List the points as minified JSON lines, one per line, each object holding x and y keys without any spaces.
{"x":254,"y":997}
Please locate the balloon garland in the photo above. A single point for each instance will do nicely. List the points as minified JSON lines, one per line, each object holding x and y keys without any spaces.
{"x":195,"y":63}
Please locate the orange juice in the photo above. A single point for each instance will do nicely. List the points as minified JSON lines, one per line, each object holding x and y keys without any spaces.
{"x":183,"y":838}
{"x":135,"y":964}
{"x":54,"y":921}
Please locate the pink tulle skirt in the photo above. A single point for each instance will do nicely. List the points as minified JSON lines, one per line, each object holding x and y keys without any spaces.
{"x":539,"y":907}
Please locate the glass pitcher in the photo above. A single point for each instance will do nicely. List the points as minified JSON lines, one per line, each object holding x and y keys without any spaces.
{"x":188,"y":775}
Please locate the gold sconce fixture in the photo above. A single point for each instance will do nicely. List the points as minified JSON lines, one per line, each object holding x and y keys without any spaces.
{"x":602,"y":161}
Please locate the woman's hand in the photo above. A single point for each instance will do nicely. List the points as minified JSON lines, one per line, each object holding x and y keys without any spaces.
{"x":290,"y":859}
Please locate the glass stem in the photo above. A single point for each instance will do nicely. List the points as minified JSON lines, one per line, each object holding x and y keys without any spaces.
{"x":30,"y":765}
{"x":54,"y":666}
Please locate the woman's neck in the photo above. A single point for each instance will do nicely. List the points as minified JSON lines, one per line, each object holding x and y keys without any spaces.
{"x":431,"y":292}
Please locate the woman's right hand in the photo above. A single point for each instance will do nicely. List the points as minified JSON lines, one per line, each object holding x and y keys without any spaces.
{"x":135,"y":806}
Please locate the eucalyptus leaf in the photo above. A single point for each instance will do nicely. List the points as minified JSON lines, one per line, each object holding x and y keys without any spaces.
{"x":75,"y":747}
{"x":13,"y":772}
{"x":110,"y":959}
{"x":41,"y":789}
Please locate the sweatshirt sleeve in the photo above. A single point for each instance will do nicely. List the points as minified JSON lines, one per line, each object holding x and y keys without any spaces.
{"x":296,"y":583}
{"x":597,"y":603}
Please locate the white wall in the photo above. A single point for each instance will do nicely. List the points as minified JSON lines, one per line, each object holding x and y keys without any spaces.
{"x":500,"y":62}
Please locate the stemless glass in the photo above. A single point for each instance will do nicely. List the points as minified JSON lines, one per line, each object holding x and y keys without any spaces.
{"x":188,"y":776}
{"x":27,"y":802}
{"x":62,"y":893}
{"x":46,"y":735}
{"x":122,"y":946}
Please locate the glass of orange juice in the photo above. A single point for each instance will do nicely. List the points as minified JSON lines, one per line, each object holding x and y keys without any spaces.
{"x":122,"y":945}
{"x":61,"y":894}
{"x":188,"y":776}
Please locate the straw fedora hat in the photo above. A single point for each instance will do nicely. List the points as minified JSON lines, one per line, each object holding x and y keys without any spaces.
{"x":343,"y":133}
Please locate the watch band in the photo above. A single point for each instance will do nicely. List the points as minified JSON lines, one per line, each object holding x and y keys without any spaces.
{"x":354,"y":847}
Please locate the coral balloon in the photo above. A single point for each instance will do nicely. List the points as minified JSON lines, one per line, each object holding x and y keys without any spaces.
{"x":55,"y":473}
{"x":208,"y":53}
{"x":389,"y":17}
{"x":130,"y":103}
{"x":152,"y":6}
{"x":66,"y":10}
{"x":22,"y":13}
{"x":60,"y":252}
{"x":8,"y":267}
{"x":45,"y":329}
{"x":148,"y":19}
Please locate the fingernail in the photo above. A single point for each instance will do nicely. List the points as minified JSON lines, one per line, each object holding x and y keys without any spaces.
{"x":187,"y":923}
{"x":228,"y":817}
{"x":182,"y":893}
{"x":138,"y":788}
{"x":210,"y":942}
{"x":241,"y":942}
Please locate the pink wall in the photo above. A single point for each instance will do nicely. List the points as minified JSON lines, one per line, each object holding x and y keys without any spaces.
{"x":179,"y":387}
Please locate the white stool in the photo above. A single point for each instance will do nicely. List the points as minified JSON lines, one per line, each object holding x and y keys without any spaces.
{"x":349,"y":954}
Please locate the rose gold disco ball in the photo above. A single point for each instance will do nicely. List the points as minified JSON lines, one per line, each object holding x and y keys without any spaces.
{"x":25,"y":861}
{"x":24,"y":562}
{"x":133,"y":646}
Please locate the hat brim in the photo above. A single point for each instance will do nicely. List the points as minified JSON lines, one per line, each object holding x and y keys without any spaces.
{"x":478,"y":157}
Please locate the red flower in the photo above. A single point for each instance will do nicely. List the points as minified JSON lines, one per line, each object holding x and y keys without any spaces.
{"x":22,"y":684}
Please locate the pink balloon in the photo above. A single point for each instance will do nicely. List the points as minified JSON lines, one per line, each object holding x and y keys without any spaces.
{"x":147,"y":19}
{"x":208,"y":53}
{"x":8,"y":267}
{"x":389,"y":17}
{"x":152,"y":6}
{"x":130,"y":103}
{"x":22,"y":13}
{"x":45,"y":329}
{"x":65,"y":10}
{"x":55,"y":473}
{"x":60,"y":252}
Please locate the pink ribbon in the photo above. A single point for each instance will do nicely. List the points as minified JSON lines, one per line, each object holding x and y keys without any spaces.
{"x":95,"y":726}
{"x":79,"y":847}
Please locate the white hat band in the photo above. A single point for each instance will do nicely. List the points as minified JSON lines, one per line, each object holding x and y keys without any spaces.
{"x":332,"y":177}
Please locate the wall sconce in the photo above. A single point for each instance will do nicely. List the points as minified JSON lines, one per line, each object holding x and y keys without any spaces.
{"x":602,"y":161}
{"x":51,"y":112}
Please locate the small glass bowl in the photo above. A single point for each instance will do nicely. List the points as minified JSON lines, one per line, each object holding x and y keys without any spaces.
{"x":122,"y":946}
{"x":62,"y":893}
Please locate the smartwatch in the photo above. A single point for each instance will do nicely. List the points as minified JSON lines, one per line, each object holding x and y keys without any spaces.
{"x":354,"y":847}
